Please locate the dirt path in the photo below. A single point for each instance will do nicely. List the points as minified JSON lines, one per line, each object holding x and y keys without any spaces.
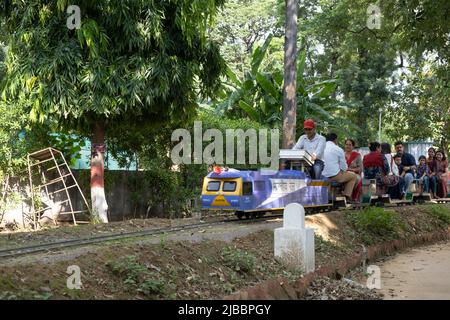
{"x":421,"y":273}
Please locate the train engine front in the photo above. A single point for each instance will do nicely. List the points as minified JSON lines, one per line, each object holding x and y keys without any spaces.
{"x":227,"y":190}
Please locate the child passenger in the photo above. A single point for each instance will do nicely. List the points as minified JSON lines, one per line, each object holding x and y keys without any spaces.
{"x":423,"y":173}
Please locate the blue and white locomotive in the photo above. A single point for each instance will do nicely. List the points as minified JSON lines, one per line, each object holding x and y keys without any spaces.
{"x":252,"y":193}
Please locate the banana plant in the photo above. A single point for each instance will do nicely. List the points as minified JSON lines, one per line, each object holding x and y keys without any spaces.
{"x":258,"y":95}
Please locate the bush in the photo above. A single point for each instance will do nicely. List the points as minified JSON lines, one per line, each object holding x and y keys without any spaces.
{"x":373,"y":223}
{"x":238,"y":260}
{"x":137,"y":277}
{"x":128,"y":268}
{"x":439,"y":211}
{"x":151,"y":286}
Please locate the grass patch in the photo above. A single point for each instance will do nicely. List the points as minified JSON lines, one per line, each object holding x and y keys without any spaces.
{"x":374,"y":224}
{"x":238,"y":260}
{"x":25,"y":294}
{"x":440,"y":212}
{"x":136,"y":276}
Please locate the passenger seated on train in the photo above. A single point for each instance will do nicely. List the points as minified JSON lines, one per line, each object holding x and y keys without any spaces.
{"x":433,"y":177}
{"x":314,"y":143}
{"x":387,"y":151}
{"x":423,"y":174}
{"x":376,"y":167}
{"x":336,"y":167}
{"x":408,"y":165}
{"x":441,"y":170}
{"x":354,"y":163}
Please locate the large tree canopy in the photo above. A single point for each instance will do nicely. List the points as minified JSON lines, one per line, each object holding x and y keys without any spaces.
{"x":139,"y":62}
{"x":130,"y":66}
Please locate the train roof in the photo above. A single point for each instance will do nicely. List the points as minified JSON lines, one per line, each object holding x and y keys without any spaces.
{"x":257,"y":175}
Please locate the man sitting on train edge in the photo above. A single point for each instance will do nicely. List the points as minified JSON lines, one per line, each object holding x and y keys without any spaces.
{"x":336,"y":166}
{"x":408,"y":165}
{"x":314,"y":143}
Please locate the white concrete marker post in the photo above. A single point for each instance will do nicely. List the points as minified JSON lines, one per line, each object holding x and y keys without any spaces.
{"x":294,"y":244}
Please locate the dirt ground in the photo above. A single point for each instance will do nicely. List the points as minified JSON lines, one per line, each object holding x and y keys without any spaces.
{"x":419,"y":273}
{"x":207,"y":263}
{"x":331,"y":289}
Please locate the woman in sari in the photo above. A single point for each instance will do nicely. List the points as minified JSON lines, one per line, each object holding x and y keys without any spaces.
{"x":355,"y":164}
{"x":441,"y":171}
{"x":433,"y":177}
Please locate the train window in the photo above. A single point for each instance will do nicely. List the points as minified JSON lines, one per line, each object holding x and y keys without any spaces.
{"x":213,"y":186}
{"x":247,"y":189}
{"x":229,"y":186}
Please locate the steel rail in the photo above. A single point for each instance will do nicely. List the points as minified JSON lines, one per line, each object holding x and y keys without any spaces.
{"x":26,"y":250}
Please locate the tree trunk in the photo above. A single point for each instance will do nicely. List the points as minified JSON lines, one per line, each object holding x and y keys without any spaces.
{"x":290,"y":75}
{"x":99,"y":205}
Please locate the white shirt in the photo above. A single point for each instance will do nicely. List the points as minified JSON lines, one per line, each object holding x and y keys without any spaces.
{"x":314,"y":146}
{"x":334,"y":159}
{"x":393,"y":169}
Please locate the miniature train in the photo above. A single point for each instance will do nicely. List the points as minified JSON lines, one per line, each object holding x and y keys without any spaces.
{"x":251,"y":193}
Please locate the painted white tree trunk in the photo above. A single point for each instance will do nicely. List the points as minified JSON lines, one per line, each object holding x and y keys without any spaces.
{"x":99,"y":205}
{"x":98,"y":198}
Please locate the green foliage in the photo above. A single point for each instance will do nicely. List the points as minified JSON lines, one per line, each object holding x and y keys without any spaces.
{"x":7,"y":295}
{"x":239,"y":260}
{"x":322,"y":245}
{"x":423,"y":104}
{"x":18,"y":136}
{"x":421,"y":26}
{"x":152,"y":286}
{"x":69,"y":145}
{"x":163,"y":241}
{"x":2,"y":59}
{"x":258,"y":95}
{"x":372,"y":64}
{"x":133,"y":70}
{"x":440,"y":212}
{"x":137,"y":65}
{"x":136,"y":276}
{"x":25,"y":294}
{"x":244,"y":24}
{"x":374,"y":224}
{"x":128,"y":268}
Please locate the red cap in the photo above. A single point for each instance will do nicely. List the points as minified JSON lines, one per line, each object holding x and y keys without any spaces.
{"x":217,"y":170}
{"x":309,"y":124}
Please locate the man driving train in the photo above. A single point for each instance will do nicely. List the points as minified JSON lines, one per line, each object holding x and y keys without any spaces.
{"x":314,"y":143}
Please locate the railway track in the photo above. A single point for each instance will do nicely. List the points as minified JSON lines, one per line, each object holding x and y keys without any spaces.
{"x":58,"y":245}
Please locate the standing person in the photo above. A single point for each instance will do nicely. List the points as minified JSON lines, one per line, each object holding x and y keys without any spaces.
{"x":408,"y":164}
{"x":355,"y":165}
{"x":314,"y":143}
{"x":336,"y":167}
{"x":441,"y":170}
{"x":433,"y":178}
{"x":423,"y":174}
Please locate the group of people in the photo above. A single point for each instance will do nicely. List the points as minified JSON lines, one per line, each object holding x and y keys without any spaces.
{"x":394,"y":172}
